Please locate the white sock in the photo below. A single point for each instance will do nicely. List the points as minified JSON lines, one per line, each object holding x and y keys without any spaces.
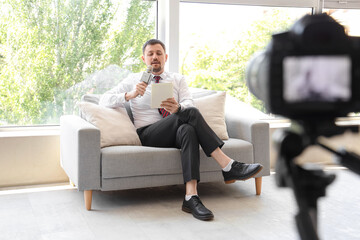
{"x":228,"y":167}
{"x":187,"y":197}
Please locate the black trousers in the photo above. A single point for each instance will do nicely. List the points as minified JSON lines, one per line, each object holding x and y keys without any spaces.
{"x":184,"y":130}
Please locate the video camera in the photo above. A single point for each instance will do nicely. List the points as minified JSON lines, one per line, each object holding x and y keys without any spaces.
{"x":310,"y":74}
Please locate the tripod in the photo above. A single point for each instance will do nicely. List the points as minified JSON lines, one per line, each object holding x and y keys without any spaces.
{"x":307,"y":184}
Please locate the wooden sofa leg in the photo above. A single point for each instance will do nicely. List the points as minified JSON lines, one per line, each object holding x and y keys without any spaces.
{"x":88,"y":199}
{"x":258,"y":182}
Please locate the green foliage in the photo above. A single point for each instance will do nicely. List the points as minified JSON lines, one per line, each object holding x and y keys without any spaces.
{"x":47,"y":46}
{"x":126,"y":43}
{"x":226,"y":72}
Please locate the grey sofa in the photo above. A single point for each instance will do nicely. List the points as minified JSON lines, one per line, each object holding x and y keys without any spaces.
{"x":91,"y":167}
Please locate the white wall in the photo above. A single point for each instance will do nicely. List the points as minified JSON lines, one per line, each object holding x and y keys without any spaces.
{"x":30,"y":160}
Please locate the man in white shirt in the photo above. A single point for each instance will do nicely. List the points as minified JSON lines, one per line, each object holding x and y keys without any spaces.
{"x":177,"y":124}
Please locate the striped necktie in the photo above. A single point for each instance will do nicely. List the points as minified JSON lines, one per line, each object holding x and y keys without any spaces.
{"x":162,"y":111}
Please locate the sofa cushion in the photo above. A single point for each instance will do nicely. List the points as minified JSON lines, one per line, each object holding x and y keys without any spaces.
{"x":95,"y":98}
{"x":115,"y":125}
{"x":212,"y":107}
{"x":130,"y":161}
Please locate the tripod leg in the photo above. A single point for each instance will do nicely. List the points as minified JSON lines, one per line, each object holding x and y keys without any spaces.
{"x":307,"y":184}
{"x":305,"y":225}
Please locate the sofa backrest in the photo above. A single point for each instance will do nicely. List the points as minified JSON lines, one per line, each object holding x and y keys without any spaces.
{"x":196,"y":93}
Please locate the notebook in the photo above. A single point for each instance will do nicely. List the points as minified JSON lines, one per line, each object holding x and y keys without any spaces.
{"x":160,"y":92}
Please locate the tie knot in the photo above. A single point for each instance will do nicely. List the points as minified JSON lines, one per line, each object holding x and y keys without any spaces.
{"x":157,"y":79}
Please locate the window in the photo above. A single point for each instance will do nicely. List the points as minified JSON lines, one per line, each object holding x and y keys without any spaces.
{"x":217,"y":41}
{"x":52,"y":52}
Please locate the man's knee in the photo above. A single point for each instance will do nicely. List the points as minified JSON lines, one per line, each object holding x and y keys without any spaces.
{"x":186,"y":130}
{"x":186,"y":136}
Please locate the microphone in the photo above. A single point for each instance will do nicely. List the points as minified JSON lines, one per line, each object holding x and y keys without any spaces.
{"x":146,"y":76}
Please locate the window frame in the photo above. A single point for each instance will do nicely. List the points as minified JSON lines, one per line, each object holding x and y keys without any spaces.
{"x":169,"y":20}
{"x":342,"y":4}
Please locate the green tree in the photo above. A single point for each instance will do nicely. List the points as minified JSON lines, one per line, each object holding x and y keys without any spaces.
{"x":226,"y":72}
{"x":47,"y":46}
{"x":126,"y":43}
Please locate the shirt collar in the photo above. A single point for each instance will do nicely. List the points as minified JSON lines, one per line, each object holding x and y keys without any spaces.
{"x":163,"y":75}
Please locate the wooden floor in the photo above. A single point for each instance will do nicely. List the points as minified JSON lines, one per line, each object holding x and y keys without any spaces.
{"x":155,"y":213}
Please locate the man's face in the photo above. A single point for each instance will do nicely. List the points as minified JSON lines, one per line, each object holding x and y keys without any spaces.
{"x":155,"y":56}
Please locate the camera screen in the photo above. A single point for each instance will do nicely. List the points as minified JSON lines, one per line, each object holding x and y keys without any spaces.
{"x":317,"y":78}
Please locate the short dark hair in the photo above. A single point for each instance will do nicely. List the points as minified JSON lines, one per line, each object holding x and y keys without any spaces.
{"x":153,"y":42}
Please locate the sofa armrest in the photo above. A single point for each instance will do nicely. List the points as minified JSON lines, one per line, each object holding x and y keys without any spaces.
{"x":254,"y":131}
{"x":80,"y":152}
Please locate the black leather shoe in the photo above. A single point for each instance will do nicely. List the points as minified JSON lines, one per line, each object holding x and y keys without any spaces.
{"x":241,"y":171}
{"x":197,"y":209}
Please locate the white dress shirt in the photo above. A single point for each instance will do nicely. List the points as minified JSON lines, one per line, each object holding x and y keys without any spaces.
{"x":140,"y":106}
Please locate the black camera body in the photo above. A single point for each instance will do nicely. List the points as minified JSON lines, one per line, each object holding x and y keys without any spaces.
{"x":310,"y":72}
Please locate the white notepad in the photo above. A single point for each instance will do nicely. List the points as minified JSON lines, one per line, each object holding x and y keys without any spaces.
{"x":160,"y":92}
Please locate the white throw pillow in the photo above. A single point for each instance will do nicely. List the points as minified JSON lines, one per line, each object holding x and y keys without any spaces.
{"x":115,"y":125}
{"x":212,"y":107}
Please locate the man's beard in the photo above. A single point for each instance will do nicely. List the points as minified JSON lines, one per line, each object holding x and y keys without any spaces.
{"x":157,"y":69}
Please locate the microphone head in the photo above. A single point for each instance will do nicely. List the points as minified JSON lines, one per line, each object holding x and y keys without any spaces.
{"x":149,"y":69}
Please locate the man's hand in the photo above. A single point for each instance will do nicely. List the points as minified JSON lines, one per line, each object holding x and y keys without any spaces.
{"x":170,"y":105}
{"x":140,"y":89}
